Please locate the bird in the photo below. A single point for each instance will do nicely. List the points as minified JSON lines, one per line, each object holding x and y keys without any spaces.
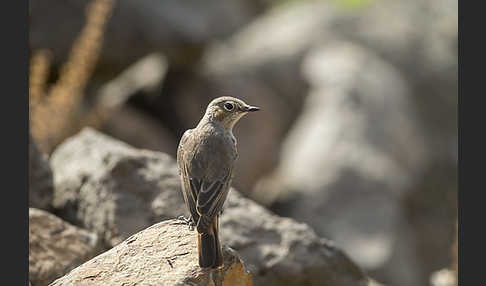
{"x":206,"y":157}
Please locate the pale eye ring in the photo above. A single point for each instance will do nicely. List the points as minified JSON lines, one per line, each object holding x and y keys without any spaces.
{"x":228,"y":106}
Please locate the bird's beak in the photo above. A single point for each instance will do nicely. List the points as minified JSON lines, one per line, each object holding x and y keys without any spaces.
{"x":249,"y":108}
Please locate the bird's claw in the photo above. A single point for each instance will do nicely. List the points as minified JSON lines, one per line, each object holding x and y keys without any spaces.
{"x":188,"y":221}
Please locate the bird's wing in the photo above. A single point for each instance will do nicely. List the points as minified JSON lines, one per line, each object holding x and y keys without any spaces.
{"x":211,"y":195}
{"x":190,"y":197}
{"x":210,"y":198}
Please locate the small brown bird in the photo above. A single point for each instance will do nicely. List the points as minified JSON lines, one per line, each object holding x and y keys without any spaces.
{"x":206,"y":157}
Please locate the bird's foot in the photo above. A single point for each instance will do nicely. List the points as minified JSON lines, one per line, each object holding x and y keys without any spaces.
{"x":188,"y":221}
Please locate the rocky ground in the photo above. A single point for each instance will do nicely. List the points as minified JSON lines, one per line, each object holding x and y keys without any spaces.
{"x":356,"y":140}
{"x":163,"y":254}
{"x":123,"y":201}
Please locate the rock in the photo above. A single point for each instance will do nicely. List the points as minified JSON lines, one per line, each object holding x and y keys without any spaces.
{"x":112,"y":188}
{"x":163,"y":254}
{"x":404,"y":42}
{"x":95,"y":175}
{"x":281,"y":251}
{"x":421,"y":40}
{"x":345,"y":165}
{"x":417,"y":42}
{"x":40,"y":178}
{"x":56,"y":247}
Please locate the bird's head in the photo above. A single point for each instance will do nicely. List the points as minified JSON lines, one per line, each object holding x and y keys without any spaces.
{"x":228,"y":110}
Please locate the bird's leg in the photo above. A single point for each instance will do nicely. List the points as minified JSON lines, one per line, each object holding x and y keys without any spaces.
{"x":189,"y":221}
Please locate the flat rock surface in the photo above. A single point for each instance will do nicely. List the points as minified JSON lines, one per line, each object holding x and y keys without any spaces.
{"x":55,"y":247}
{"x":163,"y":254}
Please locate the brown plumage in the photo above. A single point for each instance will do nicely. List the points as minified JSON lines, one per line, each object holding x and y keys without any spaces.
{"x":206,"y":156}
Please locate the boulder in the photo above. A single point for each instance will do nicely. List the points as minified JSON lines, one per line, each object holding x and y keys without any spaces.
{"x":112,"y":188}
{"x":41,"y":190}
{"x":56,"y":247}
{"x":414,"y":42}
{"x":345,"y":165}
{"x":281,"y":251}
{"x":163,"y":254}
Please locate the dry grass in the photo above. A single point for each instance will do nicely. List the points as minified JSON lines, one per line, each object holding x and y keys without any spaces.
{"x":57,"y":113}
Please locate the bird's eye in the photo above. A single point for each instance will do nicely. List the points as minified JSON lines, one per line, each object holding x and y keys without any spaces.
{"x":228,"y":106}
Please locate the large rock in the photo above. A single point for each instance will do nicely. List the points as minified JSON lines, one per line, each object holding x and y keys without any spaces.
{"x":281,"y":251}
{"x":345,"y":165}
{"x":163,"y":254}
{"x":414,"y":42}
{"x":56,"y":247}
{"x":420,"y":39}
{"x":40,"y":178}
{"x":420,"y":53}
{"x":412,"y":67}
{"x":112,"y":188}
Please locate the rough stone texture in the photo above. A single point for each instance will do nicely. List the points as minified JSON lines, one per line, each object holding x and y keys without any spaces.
{"x":276,"y":250}
{"x":281,"y":251}
{"x":112,"y":188}
{"x":56,"y":247}
{"x":40,"y":178}
{"x":163,"y":254}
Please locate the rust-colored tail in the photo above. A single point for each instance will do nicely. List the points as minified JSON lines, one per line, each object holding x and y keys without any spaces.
{"x":209,"y":247}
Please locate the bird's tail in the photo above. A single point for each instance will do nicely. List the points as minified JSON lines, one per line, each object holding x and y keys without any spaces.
{"x":209,"y":247}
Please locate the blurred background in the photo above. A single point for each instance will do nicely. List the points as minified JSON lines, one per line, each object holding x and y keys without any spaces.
{"x":358,"y":130}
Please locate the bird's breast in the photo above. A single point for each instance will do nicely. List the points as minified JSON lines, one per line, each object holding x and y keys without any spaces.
{"x":213,"y":153}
